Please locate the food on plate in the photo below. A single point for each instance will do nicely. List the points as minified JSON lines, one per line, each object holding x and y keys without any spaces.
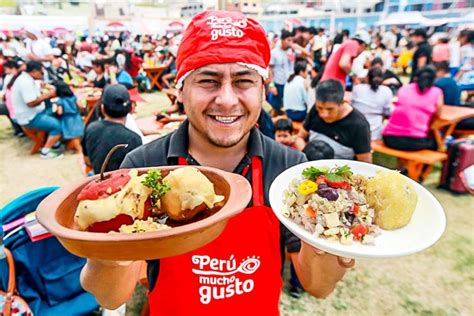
{"x":143,"y":226}
{"x":331,"y":203}
{"x":118,"y":200}
{"x":393,"y":198}
{"x":130,"y":203}
{"x":191,"y":192}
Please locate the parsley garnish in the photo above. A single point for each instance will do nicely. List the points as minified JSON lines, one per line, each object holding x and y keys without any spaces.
{"x":336,"y":174}
{"x":153,"y":181}
{"x":312,"y":173}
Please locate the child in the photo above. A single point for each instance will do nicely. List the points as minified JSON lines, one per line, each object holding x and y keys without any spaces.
{"x":72,"y":125}
{"x":283,"y":132}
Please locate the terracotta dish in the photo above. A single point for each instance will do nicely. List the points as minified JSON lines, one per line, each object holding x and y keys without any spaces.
{"x":56,"y":214}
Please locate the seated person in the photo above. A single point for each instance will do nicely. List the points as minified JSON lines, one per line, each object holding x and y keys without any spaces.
{"x":11,"y":69}
{"x":373,"y":100}
{"x":318,"y":150}
{"x":72,"y":125}
{"x":101,"y":136}
{"x":117,"y":72}
{"x":390,"y":79}
{"x":444,"y":81}
{"x":265,"y":124}
{"x":30,"y":108}
{"x":284,"y":132}
{"x":100,"y":80}
{"x":165,"y":116}
{"x":336,"y":123}
{"x":295,"y":95}
{"x":409,"y":125}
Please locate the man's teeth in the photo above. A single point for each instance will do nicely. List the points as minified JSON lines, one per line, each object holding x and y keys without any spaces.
{"x":226,"y":119}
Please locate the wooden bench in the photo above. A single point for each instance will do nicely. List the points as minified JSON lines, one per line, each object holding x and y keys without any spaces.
{"x":37,"y":136}
{"x":460,"y":133}
{"x":418,"y":163}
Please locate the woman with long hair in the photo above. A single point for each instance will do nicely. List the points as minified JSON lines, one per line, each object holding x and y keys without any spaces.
{"x":295,"y":96}
{"x":373,"y":100}
{"x":409,"y":125}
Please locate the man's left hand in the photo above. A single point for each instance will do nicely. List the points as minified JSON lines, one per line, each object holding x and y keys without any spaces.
{"x":319,"y":271}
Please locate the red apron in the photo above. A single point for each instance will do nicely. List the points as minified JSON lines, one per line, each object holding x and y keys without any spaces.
{"x":238,"y":273}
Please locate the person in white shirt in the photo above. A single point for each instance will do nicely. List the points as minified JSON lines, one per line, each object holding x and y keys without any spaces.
{"x":29,"y":106}
{"x":295,"y":96}
{"x":374,"y":100}
{"x":38,"y":49}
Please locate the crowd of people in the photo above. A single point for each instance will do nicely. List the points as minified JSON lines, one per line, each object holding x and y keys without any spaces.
{"x":344,"y":90}
{"x":41,"y":73}
{"x":350,"y":90}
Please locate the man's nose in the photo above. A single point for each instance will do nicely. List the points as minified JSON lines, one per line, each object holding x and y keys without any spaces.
{"x":226,"y":95}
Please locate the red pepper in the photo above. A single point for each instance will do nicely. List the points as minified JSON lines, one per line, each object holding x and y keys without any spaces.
{"x":320,"y":180}
{"x":359,"y":231}
{"x":355,"y":209}
{"x":339,"y":185}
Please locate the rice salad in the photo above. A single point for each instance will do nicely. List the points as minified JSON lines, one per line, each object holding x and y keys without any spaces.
{"x":331,"y":203}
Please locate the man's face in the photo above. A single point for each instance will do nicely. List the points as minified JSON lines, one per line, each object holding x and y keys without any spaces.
{"x":222,"y":102}
{"x":285,"y":43}
{"x":283,"y":137}
{"x":37,"y":74}
{"x":328,"y":111}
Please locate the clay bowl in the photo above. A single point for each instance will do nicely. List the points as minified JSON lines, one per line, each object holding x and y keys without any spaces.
{"x":56,"y":214}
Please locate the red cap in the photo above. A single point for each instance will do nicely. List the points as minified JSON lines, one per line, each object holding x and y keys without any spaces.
{"x":219,"y":37}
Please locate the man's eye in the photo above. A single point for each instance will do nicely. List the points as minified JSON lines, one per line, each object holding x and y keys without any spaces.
{"x":207,"y":81}
{"x":244,"y":82}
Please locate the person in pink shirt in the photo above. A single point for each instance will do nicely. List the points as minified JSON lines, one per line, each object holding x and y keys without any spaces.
{"x":441,"y":51}
{"x":339,"y":64}
{"x":409,"y":125}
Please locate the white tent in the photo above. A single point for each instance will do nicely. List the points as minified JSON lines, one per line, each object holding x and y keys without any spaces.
{"x":405,"y":18}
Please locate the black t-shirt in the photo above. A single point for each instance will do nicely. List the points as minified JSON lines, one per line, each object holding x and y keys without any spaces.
{"x":352,"y":131}
{"x":276,"y":158}
{"x":101,"y":136}
{"x":423,"y":50}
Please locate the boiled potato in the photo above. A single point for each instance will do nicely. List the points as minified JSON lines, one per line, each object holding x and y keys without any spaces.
{"x":393,"y":199}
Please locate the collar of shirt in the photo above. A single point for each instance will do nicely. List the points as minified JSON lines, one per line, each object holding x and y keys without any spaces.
{"x":179,"y":147}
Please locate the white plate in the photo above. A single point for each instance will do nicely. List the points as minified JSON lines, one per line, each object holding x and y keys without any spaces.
{"x":425,"y":228}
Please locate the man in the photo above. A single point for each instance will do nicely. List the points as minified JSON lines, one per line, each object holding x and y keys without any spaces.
{"x":6,"y":105}
{"x":444,"y":81}
{"x":338,"y":124}
{"x":29,"y":107}
{"x":422,"y":56}
{"x":222,"y":94}
{"x":101,"y":136}
{"x":39,"y":49}
{"x":320,"y":47}
{"x":389,"y":38}
{"x":339,"y":64}
{"x":281,"y":67}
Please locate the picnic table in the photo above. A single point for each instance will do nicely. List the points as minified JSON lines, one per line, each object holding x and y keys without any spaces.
{"x":444,"y":125}
{"x":154,"y":74}
{"x":91,"y":96}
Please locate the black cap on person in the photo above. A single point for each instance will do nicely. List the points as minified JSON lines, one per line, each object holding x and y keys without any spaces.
{"x":116,"y":100}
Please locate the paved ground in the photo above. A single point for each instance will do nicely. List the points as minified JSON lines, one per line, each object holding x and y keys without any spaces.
{"x":439,"y":281}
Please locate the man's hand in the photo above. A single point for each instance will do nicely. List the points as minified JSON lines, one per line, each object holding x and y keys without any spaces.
{"x":319,"y":271}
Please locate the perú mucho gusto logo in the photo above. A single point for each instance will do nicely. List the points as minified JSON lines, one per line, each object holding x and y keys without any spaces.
{"x":219,"y":278}
{"x":226,"y":27}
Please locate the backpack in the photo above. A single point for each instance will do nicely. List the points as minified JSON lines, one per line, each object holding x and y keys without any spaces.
{"x":47,"y":275}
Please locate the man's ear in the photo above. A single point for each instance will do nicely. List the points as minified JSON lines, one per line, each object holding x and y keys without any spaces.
{"x":180,"y":95}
